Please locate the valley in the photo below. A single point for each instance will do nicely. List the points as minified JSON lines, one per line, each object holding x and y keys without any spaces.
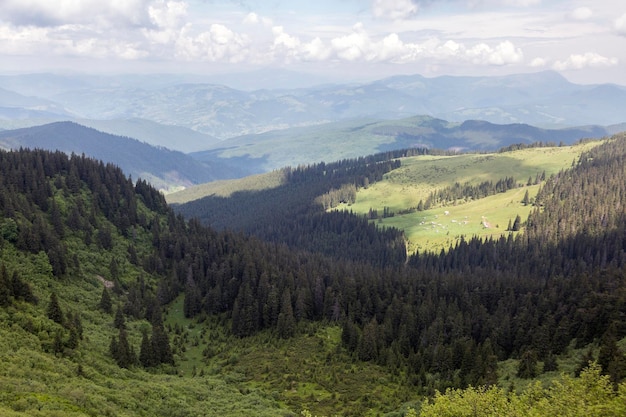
{"x":335,"y":318}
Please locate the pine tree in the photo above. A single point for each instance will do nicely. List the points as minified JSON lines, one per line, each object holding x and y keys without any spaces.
{"x":610,"y":357}
{"x":550,"y":364}
{"x":527,"y":367}
{"x":124,"y":354}
{"x":146,"y":351}
{"x":161,"y":346}
{"x":119,"y":322}
{"x":5,"y":287}
{"x":57,"y":343}
{"x":286,"y":324}
{"x":368,"y":345}
{"x":54,"y":309}
{"x":106,"y":304}
{"x":517,"y":224}
{"x":73,"y":340}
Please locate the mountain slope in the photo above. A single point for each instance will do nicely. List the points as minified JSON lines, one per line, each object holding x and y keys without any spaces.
{"x":176,"y":138}
{"x":74,"y":234}
{"x":161,"y":167}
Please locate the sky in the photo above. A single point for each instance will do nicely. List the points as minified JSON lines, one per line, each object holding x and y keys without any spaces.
{"x":339,"y":40}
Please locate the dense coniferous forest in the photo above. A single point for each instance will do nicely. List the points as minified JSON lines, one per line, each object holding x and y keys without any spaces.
{"x":435,"y":320}
{"x":293,"y":213}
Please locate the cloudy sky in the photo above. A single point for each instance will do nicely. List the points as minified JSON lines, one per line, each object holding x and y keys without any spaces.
{"x":585,"y":40}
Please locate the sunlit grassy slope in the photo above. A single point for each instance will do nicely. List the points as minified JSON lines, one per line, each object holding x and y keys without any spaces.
{"x":225,"y":188}
{"x":419,"y":176}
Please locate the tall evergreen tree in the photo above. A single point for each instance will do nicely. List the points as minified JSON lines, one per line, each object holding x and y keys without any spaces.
{"x":146,"y":352}
{"x":54,"y":309}
{"x":161,"y":346}
{"x":286,"y":324}
{"x":124,"y":354}
{"x":105,"y":303}
{"x":527,"y":367}
{"x":119,"y":322}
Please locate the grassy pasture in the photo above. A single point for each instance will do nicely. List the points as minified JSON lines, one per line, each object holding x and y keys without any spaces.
{"x":433,"y":230}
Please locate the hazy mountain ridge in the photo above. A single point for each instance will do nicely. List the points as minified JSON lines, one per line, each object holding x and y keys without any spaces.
{"x":542,"y":99}
{"x":162,"y":167}
{"x":17,"y":106}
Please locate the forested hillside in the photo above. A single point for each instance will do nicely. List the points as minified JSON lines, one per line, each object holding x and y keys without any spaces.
{"x":292,"y":213}
{"x":94,"y":266}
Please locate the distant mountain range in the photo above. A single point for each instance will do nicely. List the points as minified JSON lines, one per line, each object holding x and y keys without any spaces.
{"x":164,"y":168}
{"x":230,"y":133}
{"x":543,"y":99}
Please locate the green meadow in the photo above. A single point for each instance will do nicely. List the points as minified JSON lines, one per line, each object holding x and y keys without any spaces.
{"x":442,"y":226}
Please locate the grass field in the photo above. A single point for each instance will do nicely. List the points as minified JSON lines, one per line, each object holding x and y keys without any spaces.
{"x":433,"y":230}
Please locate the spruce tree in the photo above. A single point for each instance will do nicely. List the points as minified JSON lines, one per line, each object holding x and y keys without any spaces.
{"x":286,"y":324}
{"x":124,"y":353}
{"x":161,"y":346}
{"x":5,"y":287}
{"x":54,"y":309}
{"x":527,"y":367}
{"x":146,"y":351}
{"x":105,"y":304}
{"x":119,"y":321}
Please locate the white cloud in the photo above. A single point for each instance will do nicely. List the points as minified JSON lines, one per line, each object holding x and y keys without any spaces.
{"x":254,"y":19}
{"x":538,"y":63}
{"x":315,"y":50}
{"x":394,"y":9}
{"x":282,"y":39}
{"x":167,"y":14}
{"x":521,"y":3}
{"x":499,"y":3}
{"x":354,"y":46}
{"x":358,"y":46}
{"x":504,"y":53}
{"x":589,"y":59}
{"x":581,"y":13}
{"x":218,"y":44}
{"x":620,"y":25}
